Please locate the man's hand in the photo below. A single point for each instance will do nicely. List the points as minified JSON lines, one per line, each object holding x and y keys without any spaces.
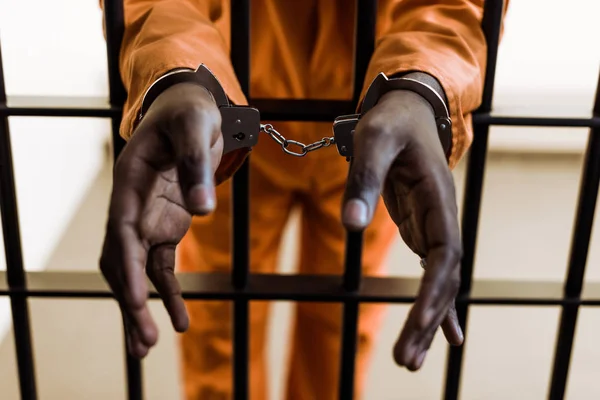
{"x":397,"y":153}
{"x":163,"y":176}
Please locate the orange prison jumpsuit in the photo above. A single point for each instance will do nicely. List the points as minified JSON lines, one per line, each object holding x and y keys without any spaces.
{"x":299,"y":49}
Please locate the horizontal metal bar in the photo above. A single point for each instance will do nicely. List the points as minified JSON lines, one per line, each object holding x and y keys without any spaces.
{"x":326,"y":288}
{"x":507,"y":120}
{"x":328,"y":110}
{"x":302,"y":110}
{"x":271,"y":110}
{"x":54,"y":106}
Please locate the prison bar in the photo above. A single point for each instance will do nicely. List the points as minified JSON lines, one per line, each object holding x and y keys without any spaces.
{"x":114,"y":28}
{"x":240,"y":216}
{"x":13,"y":252}
{"x":492,"y":22}
{"x":276,"y":110}
{"x":582,"y":232}
{"x":364,"y":44}
{"x":351,"y":284}
{"x":309,"y":288}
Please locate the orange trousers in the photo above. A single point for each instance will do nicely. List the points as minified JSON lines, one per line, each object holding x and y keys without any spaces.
{"x":279,"y":183}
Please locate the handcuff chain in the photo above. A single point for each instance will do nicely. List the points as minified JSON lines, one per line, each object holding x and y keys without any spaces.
{"x":285,"y":143}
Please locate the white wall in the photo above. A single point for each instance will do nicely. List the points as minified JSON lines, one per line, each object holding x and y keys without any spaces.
{"x":52,"y":48}
{"x":547,"y":65}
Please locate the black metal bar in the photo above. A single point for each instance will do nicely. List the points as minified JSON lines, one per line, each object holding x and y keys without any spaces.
{"x":114,"y":21}
{"x":320,"y":288}
{"x":240,"y":58}
{"x":348,"y":356}
{"x":364,"y":43}
{"x":241,"y":226}
{"x":501,"y":120}
{"x":57,"y":106}
{"x":133,"y":372}
{"x":15,"y":272}
{"x":240,"y":42}
{"x":271,"y":109}
{"x":134,"y":377}
{"x":353,"y":259}
{"x":582,"y":231}
{"x":351,"y":284}
{"x":470,"y":222}
{"x":491,"y":25}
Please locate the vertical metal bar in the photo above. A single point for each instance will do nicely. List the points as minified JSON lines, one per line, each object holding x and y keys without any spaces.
{"x":114,"y":20}
{"x":133,"y":369}
{"x":240,"y":58}
{"x":134,"y":378}
{"x":15,"y":273}
{"x":364,"y":42}
{"x":364,"y":45}
{"x":582,"y":231}
{"x":492,"y":22}
{"x":352,"y":275}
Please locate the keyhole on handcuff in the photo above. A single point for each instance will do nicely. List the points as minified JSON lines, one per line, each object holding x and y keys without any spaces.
{"x":241,"y":135}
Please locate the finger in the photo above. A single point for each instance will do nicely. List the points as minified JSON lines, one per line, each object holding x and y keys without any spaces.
{"x":160,"y":270}
{"x":127,"y":282}
{"x":375,"y":151}
{"x":451,"y":327}
{"x":403,"y":353}
{"x":135,"y":346}
{"x":412,"y":355}
{"x":191,"y":135}
{"x":124,"y":253}
{"x":439,"y":226}
{"x":441,"y":278}
{"x":438,"y":288}
{"x":134,"y":293}
{"x":439,"y":285}
{"x":426,"y":341}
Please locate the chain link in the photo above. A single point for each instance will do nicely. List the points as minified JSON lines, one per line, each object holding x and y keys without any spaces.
{"x":286,"y":143}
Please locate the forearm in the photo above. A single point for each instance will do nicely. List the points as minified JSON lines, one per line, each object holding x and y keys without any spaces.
{"x":440,"y":44}
{"x":161,"y":36}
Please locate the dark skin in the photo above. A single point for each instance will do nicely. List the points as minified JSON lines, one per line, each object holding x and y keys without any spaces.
{"x":165,"y":175}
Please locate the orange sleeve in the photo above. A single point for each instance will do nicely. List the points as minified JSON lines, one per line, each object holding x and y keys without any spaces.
{"x":161,"y":36}
{"x":443,"y":39}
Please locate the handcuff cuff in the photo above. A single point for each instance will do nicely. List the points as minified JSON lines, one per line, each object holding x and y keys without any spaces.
{"x":241,"y":125}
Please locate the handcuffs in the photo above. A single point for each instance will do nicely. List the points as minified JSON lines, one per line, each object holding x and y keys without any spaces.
{"x":241,"y":124}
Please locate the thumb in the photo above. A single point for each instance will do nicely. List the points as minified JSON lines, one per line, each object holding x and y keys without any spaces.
{"x":191,"y":138}
{"x":374,"y":153}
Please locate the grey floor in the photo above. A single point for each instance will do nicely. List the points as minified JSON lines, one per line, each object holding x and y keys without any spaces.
{"x":528,"y":210}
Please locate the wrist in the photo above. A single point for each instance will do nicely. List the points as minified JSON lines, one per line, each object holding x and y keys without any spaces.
{"x":201,"y":77}
{"x":426,"y":88}
{"x":183,"y":95}
{"x":427,"y":79}
{"x":409,"y":101}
